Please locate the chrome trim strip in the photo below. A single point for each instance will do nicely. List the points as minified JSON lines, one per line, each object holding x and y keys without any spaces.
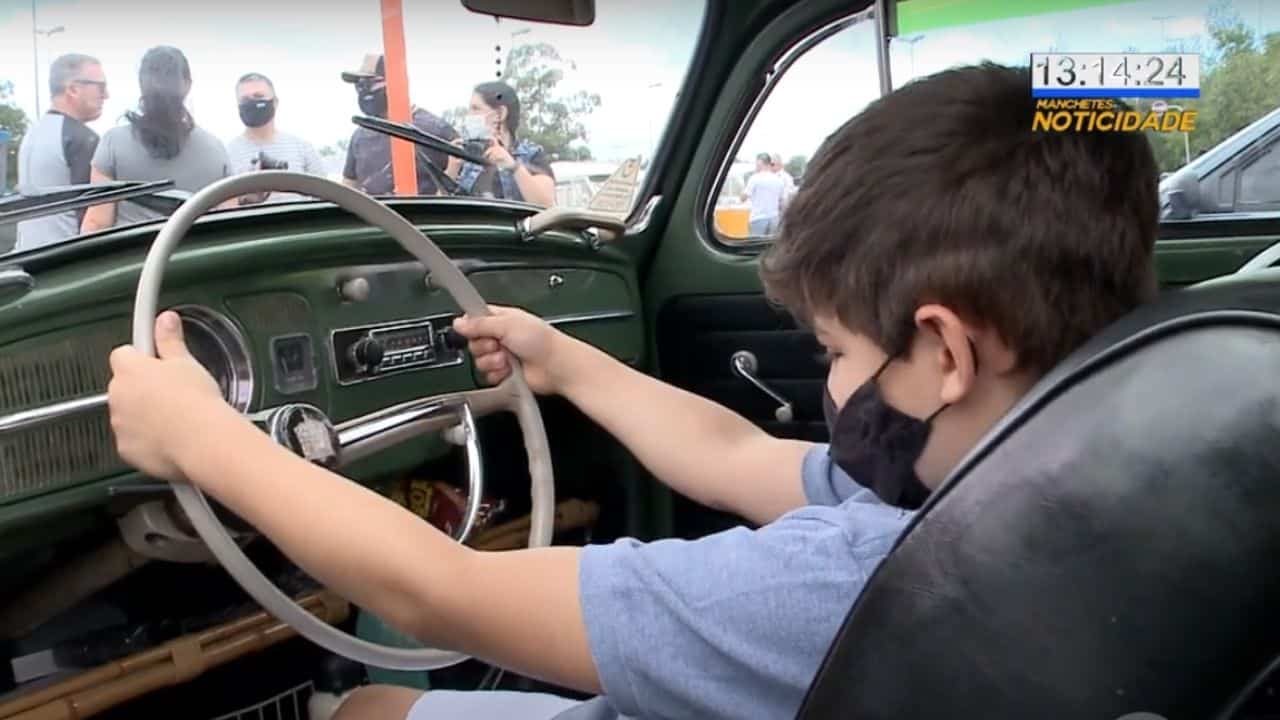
{"x":14,"y":283}
{"x":43,"y":415}
{"x":588,"y":316}
{"x":881,"y":12}
{"x":646,"y":214}
{"x":234,"y":346}
{"x":370,"y":426}
{"x":475,"y":473}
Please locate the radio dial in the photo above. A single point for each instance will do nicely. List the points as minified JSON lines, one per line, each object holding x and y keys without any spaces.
{"x":367,"y":352}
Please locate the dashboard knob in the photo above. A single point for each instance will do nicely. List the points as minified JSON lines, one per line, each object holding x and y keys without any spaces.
{"x":453,"y":339}
{"x":355,"y":289}
{"x":367,"y":352}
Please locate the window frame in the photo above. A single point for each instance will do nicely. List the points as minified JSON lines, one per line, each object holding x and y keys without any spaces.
{"x":746,"y":111}
{"x":1248,"y":160}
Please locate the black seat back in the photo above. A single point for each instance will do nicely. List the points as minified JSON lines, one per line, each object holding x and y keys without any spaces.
{"x":1111,"y":547}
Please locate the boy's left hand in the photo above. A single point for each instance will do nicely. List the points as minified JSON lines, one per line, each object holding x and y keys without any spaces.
{"x":158,"y":405}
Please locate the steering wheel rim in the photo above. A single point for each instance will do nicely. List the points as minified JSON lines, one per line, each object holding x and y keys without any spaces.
{"x":443,"y":272}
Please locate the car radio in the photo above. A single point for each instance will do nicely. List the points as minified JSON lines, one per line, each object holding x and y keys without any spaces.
{"x":362,"y":353}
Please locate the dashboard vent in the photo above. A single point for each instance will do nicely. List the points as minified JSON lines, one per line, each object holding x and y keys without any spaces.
{"x":272,"y":313}
{"x":54,"y":456}
{"x":50,"y":372}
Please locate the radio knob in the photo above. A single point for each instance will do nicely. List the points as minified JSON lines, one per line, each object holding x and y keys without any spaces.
{"x":453,"y":339}
{"x":367,"y":352}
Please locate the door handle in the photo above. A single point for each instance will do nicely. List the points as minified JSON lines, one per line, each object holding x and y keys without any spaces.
{"x":744,"y":364}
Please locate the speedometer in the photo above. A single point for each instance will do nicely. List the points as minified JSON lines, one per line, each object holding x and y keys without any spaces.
{"x":217,"y":344}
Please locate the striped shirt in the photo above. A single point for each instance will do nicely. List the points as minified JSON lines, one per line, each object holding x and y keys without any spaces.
{"x":298,"y":154}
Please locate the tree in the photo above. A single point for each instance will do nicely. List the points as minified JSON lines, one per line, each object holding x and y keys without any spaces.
{"x":1240,"y":82}
{"x":14,"y":120}
{"x":551,"y":119}
{"x":455,"y":117}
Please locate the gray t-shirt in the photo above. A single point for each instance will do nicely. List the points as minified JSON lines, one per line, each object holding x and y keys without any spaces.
{"x":733,"y":625}
{"x":54,"y":152}
{"x":297,"y":154}
{"x":201,"y":161}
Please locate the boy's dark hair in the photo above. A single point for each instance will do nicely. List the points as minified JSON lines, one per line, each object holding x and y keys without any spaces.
{"x":941,"y":192}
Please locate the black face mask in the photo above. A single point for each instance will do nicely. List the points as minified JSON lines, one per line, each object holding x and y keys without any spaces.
{"x":372,"y":102}
{"x":878,"y":445}
{"x":256,"y":113}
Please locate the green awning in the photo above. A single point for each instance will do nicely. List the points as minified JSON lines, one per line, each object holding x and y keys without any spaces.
{"x":918,"y":15}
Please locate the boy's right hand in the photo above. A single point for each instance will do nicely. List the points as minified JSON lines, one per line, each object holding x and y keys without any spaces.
{"x":511,"y":330}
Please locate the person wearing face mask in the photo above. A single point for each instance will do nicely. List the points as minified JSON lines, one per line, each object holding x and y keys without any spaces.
{"x":368,"y":165}
{"x":515,"y":169}
{"x":262,"y":146}
{"x":941,"y":298}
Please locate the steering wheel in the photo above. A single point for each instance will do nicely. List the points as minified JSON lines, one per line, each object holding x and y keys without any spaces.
{"x":1261,"y":261}
{"x":360,"y":436}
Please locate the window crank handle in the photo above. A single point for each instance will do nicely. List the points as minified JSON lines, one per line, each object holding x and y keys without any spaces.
{"x":744,"y":364}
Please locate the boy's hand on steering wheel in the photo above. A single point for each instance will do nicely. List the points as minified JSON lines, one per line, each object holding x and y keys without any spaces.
{"x":514,"y":331}
{"x":158,"y":405}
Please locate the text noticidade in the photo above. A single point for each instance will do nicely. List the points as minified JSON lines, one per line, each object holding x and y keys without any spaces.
{"x":1088,"y":115}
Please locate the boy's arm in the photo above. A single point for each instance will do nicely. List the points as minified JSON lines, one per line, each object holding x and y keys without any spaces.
{"x":517,"y":609}
{"x":699,"y":448}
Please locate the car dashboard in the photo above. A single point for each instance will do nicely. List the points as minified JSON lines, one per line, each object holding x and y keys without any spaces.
{"x":281,"y":307}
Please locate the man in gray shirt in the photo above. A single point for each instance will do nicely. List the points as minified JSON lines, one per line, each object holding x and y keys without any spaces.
{"x":263,"y":147}
{"x":57,"y":149}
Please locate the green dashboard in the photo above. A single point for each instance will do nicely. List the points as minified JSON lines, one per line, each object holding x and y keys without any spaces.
{"x":275,"y":303}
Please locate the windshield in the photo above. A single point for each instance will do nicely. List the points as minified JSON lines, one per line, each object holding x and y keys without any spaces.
{"x":94,"y":92}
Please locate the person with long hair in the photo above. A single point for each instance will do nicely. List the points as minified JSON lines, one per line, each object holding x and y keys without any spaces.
{"x":159,"y":142}
{"x":515,"y":168}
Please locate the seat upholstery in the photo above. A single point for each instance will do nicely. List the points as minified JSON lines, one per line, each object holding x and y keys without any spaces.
{"x":1112,"y":546}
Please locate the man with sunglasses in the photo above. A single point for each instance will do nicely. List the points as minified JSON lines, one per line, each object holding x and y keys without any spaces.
{"x":368,"y":166}
{"x":58,"y":147}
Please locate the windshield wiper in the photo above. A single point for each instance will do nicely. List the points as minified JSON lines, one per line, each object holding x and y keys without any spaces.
{"x":25,"y":204}
{"x":424,"y":139}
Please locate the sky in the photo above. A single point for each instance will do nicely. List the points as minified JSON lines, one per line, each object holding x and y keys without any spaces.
{"x":635,"y":56}
{"x":838,"y":78}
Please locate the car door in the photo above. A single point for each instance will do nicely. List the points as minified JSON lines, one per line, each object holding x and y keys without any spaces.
{"x":703,"y":295}
{"x":1237,"y":216}
{"x":703,"y":292}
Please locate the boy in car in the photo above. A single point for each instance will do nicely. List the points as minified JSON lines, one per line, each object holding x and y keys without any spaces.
{"x":945,"y":255}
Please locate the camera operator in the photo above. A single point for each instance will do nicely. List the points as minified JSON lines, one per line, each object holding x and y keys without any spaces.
{"x":261,"y":146}
{"x":515,"y":168}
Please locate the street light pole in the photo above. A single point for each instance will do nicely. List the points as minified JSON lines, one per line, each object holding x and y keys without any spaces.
{"x":36,"y":32}
{"x":1186,"y":136}
{"x":35,"y":57}
{"x":911,"y":50}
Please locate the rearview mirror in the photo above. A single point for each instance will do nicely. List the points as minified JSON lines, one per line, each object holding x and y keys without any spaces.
{"x":559,"y":12}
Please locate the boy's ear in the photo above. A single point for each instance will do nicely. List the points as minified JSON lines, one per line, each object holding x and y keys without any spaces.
{"x":952,"y":347}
